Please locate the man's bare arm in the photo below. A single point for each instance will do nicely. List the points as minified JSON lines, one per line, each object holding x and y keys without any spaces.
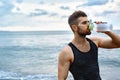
{"x":63,"y":64}
{"x":112,"y":42}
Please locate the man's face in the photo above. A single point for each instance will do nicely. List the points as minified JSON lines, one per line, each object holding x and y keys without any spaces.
{"x":83,"y":26}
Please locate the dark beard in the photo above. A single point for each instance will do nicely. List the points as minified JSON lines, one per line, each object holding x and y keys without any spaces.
{"x":83,"y":34}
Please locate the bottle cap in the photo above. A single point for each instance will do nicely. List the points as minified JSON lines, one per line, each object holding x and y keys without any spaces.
{"x":91,"y":25}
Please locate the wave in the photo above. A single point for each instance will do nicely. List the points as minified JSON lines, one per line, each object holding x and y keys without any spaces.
{"x":18,"y":76}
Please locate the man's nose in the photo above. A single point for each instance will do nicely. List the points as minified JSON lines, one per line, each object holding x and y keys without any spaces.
{"x":88,"y":24}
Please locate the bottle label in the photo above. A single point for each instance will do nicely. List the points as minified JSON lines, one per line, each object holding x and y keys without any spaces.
{"x":104,"y":27}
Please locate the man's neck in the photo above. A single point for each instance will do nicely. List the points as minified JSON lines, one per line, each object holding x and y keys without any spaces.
{"x":79,"y":40}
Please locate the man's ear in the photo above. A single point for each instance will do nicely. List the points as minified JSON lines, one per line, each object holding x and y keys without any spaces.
{"x":74,"y":27}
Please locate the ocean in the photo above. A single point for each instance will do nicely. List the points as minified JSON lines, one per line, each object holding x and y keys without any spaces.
{"x":33,"y":55}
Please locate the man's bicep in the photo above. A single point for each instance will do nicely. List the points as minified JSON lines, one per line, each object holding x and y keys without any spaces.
{"x":106,"y":43}
{"x":103,"y":42}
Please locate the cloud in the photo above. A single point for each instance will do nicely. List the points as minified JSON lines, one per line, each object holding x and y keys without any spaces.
{"x":65,"y":7}
{"x":1,"y":3}
{"x":5,"y":8}
{"x":17,"y":8}
{"x":19,"y":1}
{"x":13,"y":20}
{"x":96,"y":2}
{"x":108,"y":12}
{"x":38,"y":12}
{"x":105,"y":12}
{"x":53,"y":14}
{"x":93,"y":3}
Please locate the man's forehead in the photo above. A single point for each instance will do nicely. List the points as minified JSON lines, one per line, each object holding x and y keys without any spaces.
{"x":81,"y":19}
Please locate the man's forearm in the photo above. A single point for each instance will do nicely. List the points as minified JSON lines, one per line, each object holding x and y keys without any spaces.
{"x":115,"y":38}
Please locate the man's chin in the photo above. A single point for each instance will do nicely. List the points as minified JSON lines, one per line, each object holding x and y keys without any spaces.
{"x":89,"y":33}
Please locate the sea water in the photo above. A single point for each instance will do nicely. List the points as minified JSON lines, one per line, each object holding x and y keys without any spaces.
{"x":33,"y":55}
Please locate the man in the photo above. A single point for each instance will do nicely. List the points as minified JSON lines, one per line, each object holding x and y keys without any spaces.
{"x":80,"y":56}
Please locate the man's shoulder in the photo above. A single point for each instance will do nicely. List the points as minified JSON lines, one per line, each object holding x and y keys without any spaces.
{"x":96,"y":40}
{"x":66,"y":49}
{"x":66,"y":52}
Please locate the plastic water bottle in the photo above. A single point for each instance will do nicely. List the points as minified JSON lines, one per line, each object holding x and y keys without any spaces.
{"x":100,"y":26}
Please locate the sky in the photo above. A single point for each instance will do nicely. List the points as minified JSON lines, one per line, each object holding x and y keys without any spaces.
{"x":36,"y":15}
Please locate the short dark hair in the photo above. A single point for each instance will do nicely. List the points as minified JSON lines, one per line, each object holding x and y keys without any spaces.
{"x":73,"y":19}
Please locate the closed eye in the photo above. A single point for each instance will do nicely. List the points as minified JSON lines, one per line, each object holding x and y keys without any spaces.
{"x":85,"y":22}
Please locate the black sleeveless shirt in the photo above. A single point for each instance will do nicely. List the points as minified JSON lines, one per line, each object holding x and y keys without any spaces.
{"x":85,"y":64}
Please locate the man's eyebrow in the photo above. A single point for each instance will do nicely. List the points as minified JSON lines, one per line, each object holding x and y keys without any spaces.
{"x":84,"y":21}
